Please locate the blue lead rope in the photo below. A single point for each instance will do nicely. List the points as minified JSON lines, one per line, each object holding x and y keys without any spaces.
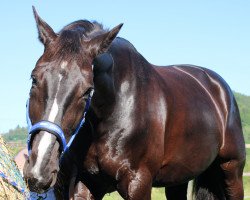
{"x":48,"y":195}
{"x":13,"y":183}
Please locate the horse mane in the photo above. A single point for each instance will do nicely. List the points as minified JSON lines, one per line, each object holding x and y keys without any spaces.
{"x":70,"y":35}
{"x":85,"y":28}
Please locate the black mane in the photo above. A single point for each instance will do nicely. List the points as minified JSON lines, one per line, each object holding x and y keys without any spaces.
{"x":71,"y":35}
{"x":85,"y":27}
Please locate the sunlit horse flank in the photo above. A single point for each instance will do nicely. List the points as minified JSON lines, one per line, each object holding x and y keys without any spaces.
{"x":147,"y":125}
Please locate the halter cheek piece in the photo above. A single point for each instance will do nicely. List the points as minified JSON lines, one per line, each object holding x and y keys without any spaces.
{"x":54,"y":128}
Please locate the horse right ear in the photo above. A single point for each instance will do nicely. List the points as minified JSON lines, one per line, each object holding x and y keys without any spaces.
{"x":101,"y":43}
{"x":45,"y":32}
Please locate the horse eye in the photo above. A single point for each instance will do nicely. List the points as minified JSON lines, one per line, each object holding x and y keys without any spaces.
{"x":87,"y":93}
{"x":34,"y":80}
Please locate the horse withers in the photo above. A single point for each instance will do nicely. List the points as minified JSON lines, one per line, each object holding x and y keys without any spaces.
{"x":146,"y":126}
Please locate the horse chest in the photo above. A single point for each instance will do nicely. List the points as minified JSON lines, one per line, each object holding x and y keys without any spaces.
{"x":107,"y":158}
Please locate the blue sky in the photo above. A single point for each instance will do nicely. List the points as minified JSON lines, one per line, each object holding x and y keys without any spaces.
{"x":213,"y":34}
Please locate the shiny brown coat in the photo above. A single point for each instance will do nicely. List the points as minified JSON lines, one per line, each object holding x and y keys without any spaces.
{"x":147,"y":126}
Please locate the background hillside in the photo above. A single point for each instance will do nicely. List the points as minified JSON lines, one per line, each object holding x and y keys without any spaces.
{"x":16,"y":139}
{"x":244,"y":106}
{"x":19,"y":134}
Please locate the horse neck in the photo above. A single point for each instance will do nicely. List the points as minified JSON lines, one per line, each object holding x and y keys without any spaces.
{"x":117,"y":89}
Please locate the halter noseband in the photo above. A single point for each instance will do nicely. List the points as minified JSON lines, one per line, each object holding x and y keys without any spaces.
{"x":54,"y":128}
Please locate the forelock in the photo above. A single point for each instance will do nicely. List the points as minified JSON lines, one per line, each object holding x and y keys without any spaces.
{"x":70,"y":36}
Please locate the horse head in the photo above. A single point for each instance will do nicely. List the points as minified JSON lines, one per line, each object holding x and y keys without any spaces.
{"x":62,"y":82}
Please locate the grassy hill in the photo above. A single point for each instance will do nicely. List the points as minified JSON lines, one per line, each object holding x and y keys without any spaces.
{"x":244,"y":107}
{"x":16,"y":139}
{"x":19,"y":134}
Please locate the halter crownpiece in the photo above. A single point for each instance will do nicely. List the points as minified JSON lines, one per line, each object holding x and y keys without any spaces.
{"x":54,"y":128}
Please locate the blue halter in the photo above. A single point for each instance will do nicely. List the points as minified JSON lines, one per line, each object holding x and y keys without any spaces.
{"x":54,"y":128}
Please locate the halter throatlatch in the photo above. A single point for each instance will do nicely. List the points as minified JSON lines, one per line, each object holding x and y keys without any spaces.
{"x":54,"y":128}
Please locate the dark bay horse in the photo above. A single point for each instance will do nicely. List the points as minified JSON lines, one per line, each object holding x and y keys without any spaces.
{"x":146,"y":126}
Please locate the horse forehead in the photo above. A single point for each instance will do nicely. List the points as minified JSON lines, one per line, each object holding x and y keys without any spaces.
{"x":56,"y":67}
{"x":73,"y":68}
{"x":65,"y":72}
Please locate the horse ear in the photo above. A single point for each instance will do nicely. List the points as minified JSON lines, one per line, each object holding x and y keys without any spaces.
{"x":101,"y":43}
{"x":45,"y":32}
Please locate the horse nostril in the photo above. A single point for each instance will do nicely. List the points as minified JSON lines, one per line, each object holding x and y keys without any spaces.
{"x":38,"y":186}
{"x":32,"y":184}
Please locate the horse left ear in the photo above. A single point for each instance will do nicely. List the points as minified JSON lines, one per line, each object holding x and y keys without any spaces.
{"x":101,"y":43}
{"x":46,"y":33}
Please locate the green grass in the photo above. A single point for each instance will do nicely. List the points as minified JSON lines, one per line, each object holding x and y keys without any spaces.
{"x":246,"y":131}
{"x":157,"y":194}
{"x":247,"y":165}
{"x":246,"y":181}
{"x":244,"y":107}
{"x":112,"y":196}
{"x":19,"y":134}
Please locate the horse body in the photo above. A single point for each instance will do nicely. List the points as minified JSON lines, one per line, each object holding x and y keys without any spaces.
{"x":165,"y":123}
{"x":147,"y":125}
{"x":194,"y":129}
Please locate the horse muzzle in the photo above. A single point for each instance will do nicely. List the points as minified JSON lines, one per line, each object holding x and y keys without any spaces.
{"x":40,"y":185}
